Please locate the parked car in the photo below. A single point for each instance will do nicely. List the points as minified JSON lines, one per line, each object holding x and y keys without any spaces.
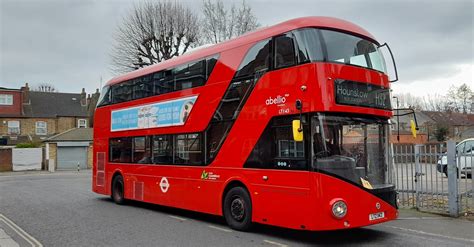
{"x":464,"y":158}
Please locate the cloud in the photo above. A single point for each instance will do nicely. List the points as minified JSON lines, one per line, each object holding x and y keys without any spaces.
{"x":68,"y":43}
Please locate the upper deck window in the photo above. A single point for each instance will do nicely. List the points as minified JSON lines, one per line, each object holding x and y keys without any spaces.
{"x":349,"y":49}
{"x":189,"y":75}
{"x":284,"y":51}
{"x":308,"y":45}
{"x":257,"y":60}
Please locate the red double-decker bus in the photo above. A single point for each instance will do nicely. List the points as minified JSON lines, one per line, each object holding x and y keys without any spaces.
{"x":286,"y":126}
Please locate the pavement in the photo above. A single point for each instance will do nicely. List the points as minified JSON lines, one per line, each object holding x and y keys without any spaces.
{"x":59,"y":209}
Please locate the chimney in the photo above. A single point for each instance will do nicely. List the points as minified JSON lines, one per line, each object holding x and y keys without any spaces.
{"x":83,"y":97}
{"x":25,"y":91}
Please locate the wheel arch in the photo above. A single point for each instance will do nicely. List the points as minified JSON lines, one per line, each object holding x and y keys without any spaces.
{"x":229,"y":184}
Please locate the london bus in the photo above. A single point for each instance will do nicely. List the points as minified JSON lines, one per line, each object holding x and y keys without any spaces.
{"x":286,"y":126}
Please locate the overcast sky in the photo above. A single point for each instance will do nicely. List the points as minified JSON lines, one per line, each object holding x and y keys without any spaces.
{"x":67,"y":42}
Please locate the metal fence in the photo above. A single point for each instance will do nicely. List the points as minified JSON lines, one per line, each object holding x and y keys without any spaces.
{"x":433,"y":177}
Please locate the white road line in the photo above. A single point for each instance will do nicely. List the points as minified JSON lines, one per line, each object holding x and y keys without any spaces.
{"x":423,"y":218}
{"x":27,"y":237}
{"x":219,"y":228}
{"x":178,"y":218}
{"x":431,"y":234}
{"x":275,"y":243}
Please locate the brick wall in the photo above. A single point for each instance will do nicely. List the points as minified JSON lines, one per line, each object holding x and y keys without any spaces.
{"x":28,"y":125}
{"x":6,"y":160}
{"x":90,"y":153}
{"x":53,"y":159}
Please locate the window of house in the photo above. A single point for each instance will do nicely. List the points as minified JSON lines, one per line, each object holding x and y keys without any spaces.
{"x":41,"y":128}
{"x":13,"y":127}
{"x":6,"y":99}
{"x":284,"y":51}
{"x":82,"y":123}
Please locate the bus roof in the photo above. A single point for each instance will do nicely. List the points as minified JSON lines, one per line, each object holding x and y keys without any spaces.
{"x":251,"y":37}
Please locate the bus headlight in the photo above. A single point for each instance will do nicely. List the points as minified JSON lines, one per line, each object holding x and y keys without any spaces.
{"x":339,"y":209}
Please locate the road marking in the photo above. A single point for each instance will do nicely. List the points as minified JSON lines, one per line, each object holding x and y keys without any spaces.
{"x":178,"y":218}
{"x":424,"y":218}
{"x":27,"y":237}
{"x":431,"y":234}
{"x":219,"y":228}
{"x":275,"y":243}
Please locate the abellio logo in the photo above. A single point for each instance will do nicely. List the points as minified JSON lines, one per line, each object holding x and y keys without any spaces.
{"x":275,"y":101}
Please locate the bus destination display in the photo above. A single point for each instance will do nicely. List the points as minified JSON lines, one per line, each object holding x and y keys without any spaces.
{"x":361,"y":94}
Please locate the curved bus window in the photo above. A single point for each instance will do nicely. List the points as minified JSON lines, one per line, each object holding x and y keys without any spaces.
{"x":256,"y":60}
{"x":255,"y":63}
{"x":284,"y":51}
{"x":349,"y":49}
{"x":308,"y":45}
{"x":105,"y":97}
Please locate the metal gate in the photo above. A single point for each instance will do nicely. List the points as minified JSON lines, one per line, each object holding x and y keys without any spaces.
{"x":69,"y":158}
{"x":433,"y":177}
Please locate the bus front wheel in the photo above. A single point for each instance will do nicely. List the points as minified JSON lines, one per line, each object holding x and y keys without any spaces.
{"x":238,"y":209}
{"x":118,"y":190}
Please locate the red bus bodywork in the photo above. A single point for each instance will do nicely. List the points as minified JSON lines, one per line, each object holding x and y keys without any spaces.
{"x":292,"y":199}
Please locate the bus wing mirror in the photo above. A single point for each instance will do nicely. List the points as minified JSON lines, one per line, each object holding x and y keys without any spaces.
{"x":297,"y":131}
{"x":393,"y":62}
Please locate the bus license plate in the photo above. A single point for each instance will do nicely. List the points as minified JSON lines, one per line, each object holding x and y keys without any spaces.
{"x":376,"y":216}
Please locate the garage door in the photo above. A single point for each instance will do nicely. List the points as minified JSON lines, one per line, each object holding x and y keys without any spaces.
{"x":69,"y":157}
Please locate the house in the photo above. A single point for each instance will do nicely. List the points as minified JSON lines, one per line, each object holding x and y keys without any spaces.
{"x":404,"y":135}
{"x":457,"y":123}
{"x":69,"y":150}
{"x":31,"y":116}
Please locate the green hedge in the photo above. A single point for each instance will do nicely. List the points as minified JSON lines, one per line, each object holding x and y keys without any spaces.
{"x":27,"y":145}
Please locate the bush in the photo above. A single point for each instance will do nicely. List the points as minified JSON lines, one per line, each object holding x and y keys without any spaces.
{"x":27,"y":145}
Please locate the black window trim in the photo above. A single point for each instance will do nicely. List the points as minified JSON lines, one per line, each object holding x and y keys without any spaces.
{"x":206,"y":74}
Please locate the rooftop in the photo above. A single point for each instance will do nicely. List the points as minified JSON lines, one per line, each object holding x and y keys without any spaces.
{"x":45,"y":104}
{"x":76,"y":134}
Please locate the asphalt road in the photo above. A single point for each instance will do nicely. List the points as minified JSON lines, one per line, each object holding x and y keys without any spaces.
{"x":60,"y":210}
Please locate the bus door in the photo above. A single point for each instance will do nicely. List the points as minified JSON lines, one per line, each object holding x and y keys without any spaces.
{"x":280,"y":176}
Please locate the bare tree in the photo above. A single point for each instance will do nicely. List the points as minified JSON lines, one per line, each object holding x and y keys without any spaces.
{"x":460,"y":98}
{"x":154,"y":31}
{"x":221,"y":23}
{"x":45,"y":87}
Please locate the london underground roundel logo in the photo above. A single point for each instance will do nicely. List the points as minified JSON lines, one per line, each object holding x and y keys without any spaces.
{"x":164,"y":184}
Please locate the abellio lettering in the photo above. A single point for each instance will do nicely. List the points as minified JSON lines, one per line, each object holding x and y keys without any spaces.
{"x":275,"y":101}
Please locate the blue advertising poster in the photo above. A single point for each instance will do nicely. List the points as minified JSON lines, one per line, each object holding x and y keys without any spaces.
{"x":162,"y":114}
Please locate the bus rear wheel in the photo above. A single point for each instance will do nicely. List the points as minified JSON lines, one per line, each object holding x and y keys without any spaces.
{"x":118,"y":190}
{"x":238,"y":209}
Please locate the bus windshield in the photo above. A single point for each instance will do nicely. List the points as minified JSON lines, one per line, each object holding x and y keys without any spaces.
{"x":352,"y":148}
{"x":337,"y":47}
{"x":348,"y":49}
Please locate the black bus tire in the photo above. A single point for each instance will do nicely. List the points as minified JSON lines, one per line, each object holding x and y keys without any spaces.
{"x":118,"y":190}
{"x":237,"y":209}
